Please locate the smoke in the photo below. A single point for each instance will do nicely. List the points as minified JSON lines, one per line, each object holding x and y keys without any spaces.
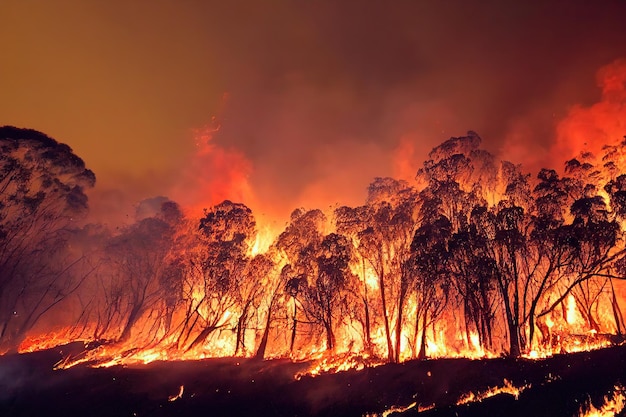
{"x":589,"y":128}
{"x":212,"y":174}
{"x":319,"y":148}
{"x":324,"y":96}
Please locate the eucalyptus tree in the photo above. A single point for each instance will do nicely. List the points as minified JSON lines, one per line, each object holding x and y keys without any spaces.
{"x":42,"y":195}
{"x":216,"y":265}
{"x":298,"y":244}
{"x":326,"y":296}
{"x":383,"y":236}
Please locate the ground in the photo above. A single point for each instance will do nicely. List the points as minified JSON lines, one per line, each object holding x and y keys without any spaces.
{"x":243,"y":387}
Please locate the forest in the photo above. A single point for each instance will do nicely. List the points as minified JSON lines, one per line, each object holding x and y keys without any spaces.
{"x":474,"y":257}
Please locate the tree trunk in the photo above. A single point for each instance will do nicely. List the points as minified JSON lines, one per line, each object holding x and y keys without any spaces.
{"x":617,"y":313}
{"x":401,"y":299}
{"x":201,"y":337}
{"x":293,"y":327}
{"x":260,"y":353}
{"x":511,"y":321}
{"x":514,"y":342}
{"x":240,"y":333}
{"x":422,"y":353}
{"x":368,"y":331}
{"x":132,"y":319}
{"x":381,"y":284}
{"x":330,"y":336}
{"x":241,"y":329}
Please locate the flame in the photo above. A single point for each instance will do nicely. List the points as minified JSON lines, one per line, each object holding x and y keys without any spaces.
{"x":573,"y":317}
{"x":589,"y":128}
{"x":266,"y":234}
{"x":178,"y":396}
{"x":401,"y":409}
{"x":326,"y":364}
{"x":506,"y":388}
{"x":42,"y":341}
{"x":216,"y":173}
{"x":613,"y":405}
{"x":213,"y":174}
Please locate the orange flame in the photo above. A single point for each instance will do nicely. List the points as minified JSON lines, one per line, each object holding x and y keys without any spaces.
{"x":213,"y":174}
{"x":612,"y":405}
{"x":506,"y":388}
{"x":587,"y":129}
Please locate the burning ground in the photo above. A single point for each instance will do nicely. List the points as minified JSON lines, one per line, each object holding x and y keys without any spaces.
{"x":564,"y":385}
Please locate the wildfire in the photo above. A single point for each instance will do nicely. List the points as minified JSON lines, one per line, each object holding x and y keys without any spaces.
{"x":412,"y":273}
{"x":572,"y":313}
{"x":49,"y":340}
{"x":336,"y":363}
{"x":612,"y":405}
{"x":265,"y":236}
{"x":506,"y":388}
{"x":401,"y":409}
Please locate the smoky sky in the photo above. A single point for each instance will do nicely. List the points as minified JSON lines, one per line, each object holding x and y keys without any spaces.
{"x":318,"y":96}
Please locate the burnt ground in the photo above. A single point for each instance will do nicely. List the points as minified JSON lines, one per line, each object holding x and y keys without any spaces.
{"x":244,"y":387}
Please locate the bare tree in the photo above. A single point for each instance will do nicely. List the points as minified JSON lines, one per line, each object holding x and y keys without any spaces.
{"x":138,"y":256}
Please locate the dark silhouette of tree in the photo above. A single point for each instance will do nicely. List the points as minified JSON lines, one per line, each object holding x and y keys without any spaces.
{"x":257,"y":279}
{"x":592,"y":236}
{"x":473,"y":275}
{"x":326,"y":296}
{"x":429,"y":270}
{"x":138,"y":256}
{"x":272,"y":284}
{"x":298,"y":244}
{"x":350,"y":222}
{"x":384,"y":239}
{"x":461,"y":180}
{"x":42,"y":185}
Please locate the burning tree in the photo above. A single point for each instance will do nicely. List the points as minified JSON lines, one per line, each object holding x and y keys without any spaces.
{"x":145,"y":276}
{"x":382,"y":232}
{"x":326,"y":295}
{"x":478,"y":255}
{"x":216,"y":274}
{"x":534,"y":246}
{"x":427,"y":272}
{"x":298,"y":244}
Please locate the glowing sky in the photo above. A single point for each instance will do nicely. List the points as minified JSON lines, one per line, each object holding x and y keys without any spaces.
{"x":316,"y":96}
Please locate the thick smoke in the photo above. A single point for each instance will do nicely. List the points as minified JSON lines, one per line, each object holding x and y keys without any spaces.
{"x":589,"y":128}
{"x":324,"y":95}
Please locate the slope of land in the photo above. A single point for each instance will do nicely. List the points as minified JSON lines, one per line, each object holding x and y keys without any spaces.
{"x":555,"y":386}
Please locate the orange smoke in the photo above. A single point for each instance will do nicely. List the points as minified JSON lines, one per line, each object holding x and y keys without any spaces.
{"x":588,"y":129}
{"x":405,"y":160}
{"x":212,"y":175}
